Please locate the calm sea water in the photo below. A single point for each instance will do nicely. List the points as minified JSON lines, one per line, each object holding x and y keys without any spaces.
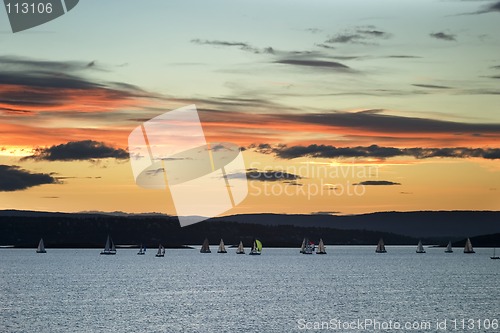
{"x":75,"y":290}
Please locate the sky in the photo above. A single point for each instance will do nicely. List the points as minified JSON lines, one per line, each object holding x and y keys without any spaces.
{"x":339,"y":107}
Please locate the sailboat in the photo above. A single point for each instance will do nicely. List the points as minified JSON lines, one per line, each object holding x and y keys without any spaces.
{"x":222,"y":248}
{"x":241,"y":249}
{"x":41,"y":247}
{"x":109,"y":248}
{"x":468,"y":247}
{"x":449,"y":249}
{"x":205,"y":248}
{"x":309,"y":247}
{"x":494,"y":255}
{"x":303,"y":247}
{"x":420,"y":247}
{"x":256,"y":248}
{"x":380,"y":246}
{"x":321,"y":247}
{"x":161,"y":251}
{"x":142,"y":250}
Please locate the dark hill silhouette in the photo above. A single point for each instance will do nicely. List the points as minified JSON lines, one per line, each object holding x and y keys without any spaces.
{"x":425,"y":224}
{"x":24,"y":229}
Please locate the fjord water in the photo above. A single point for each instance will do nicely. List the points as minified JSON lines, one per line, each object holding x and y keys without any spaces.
{"x":77,"y":290}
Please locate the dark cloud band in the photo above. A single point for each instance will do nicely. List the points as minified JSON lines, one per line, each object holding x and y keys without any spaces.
{"x":78,"y":151}
{"x":374,"y":151}
{"x":13,"y":178}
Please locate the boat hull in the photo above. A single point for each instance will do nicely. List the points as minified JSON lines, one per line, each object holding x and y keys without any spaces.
{"x":381,"y":251}
{"x":108,"y":253}
{"x":320,"y":252}
{"x":43,"y":251}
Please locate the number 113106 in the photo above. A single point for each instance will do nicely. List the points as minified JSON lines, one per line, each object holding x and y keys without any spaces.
{"x":29,"y":8}
{"x":473,"y":324}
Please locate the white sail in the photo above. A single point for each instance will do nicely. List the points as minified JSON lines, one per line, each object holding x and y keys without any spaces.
{"x":380,"y":246}
{"x":420,"y":247}
{"x":222,"y":248}
{"x":449,"y":248}
{"x":241,"y":249}
{"x":303,"y":247}
{"x":256,"y":247}
{"x":41,"y":247}
{"x":109,"y":248}
{"x":321,"y":247}
{"x":309,"y":247}
{"x":205,"y":248}
{"x":468,"y":247}
{"x":161,"y":251}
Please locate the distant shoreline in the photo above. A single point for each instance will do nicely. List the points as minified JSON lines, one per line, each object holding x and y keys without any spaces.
{"x":24,"y":229}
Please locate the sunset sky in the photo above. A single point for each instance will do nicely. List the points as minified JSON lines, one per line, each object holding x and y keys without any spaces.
{"x":340,"y":106}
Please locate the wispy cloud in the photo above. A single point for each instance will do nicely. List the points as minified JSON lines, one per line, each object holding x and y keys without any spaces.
{"x":78,"y":151}
{"x":489,"y":8}
{"x":402,"y":56}
{"x":360,"y":127}
{"x":241,"y":45}
{"x":431,"y":86}
{"x":13,"y":178}
{"x":40,"y":102}
{"x":376,"y":120}
{"x":326,"y":46}
{"x":26,"y":88}
{"x":360,"y":35}
{"x":316,"y":63}
{"x":21,"y":63}
{"x":443,"y":36}
{"x":314,"y":30}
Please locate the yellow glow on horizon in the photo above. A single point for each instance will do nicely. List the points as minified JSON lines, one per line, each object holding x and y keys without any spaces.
{"x":16,"y":151}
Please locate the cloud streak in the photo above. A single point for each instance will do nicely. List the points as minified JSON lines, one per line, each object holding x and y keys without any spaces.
{"x":30,"y":86}
{"x":78,"y":151}
{"x":377,"y":183}
{"x":430,"y":86}
{"x":13,"y":178}
{"x":489,"y":8}
{"x":241,"y":45}
{"x":360,"y":35}
{"x":375,"y":151}
{"x":22,"y":63}
{"x":316,"y":63}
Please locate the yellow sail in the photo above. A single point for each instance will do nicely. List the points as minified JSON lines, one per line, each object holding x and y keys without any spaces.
{"x":259,"y":245}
